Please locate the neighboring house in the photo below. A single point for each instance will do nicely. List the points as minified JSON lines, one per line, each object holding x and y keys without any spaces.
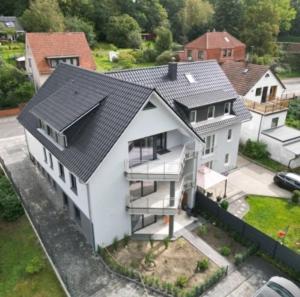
{"x":10,"y":28}
{"x":220,"y":46}
{"x":123,"y":155}
{"x":265,"y":96}
{"x":44,"y":51}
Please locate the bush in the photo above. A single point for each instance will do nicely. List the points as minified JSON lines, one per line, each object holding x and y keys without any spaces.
{"x":165,"y":57}
{"x":115,"y":244}
{"x":126,"y":239}
{"x":34,"y":266}
{"x":224,"y":204}
{"x":225,"y":251}
{"x":255,"y":150}
{"x":167,"y":242}
{"x":149,"y":258}
{"x":149,"y":55}
{"x":202,"y":265}
{"x":201,"y":230}
{"x":181,"y":281}
{"x":296,"y":196}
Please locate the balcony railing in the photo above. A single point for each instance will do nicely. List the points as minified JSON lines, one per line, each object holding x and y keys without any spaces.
{"x":267,"y":107}
{"x":168,"y":167}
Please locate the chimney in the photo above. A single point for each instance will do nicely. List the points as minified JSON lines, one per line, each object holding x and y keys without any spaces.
{"x":172,"y":70}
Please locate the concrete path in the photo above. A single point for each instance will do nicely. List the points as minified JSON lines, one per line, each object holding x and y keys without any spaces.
{"x":238,"y":207}
{"x":83,"y":273}
{"x":206,"y":249}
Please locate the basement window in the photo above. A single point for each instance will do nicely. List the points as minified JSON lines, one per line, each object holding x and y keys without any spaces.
{"x":190,"y":78}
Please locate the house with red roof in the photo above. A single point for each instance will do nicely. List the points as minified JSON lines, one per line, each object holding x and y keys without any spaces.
{"x":220,"y":46}
{"x":44,"y":51}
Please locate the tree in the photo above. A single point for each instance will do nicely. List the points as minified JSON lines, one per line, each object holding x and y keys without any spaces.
{"x":124,"y":31}
{"x":164,"y":39}
{"x":295,"y":28}
{"x":286,"y":12}
{"x":15,"y":7}
{"x":194,"y":17}
{"x":76,"y":24}
{"x":43,"y":16}
{"x":228,"y":16}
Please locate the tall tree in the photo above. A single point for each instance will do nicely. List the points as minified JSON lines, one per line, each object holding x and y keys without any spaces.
{"x":43,"y":16}
{"x":228,"y":15}
{"x":295,"y":28}
{"x":164,"y":39}
{"x":15,"y":7}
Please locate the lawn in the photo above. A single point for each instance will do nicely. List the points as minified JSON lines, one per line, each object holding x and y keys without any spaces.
{"x":289,"y":74}
{"x":128,"y":58}
{"x":269,"y":215}
{"x":8,"y":52}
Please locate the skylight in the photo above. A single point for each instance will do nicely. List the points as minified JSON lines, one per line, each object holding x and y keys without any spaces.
{"x":226,"y":39}
{"x":190,"y":78}
{"x":9,"y":24}
{"x":245,"y":70}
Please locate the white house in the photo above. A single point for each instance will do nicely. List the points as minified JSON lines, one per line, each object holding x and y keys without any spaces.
{"x":265,"y":96}
{"x":124,"y":156}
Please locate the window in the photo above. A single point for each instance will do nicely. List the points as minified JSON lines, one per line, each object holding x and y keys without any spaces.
{"x":258,"y":92}
{"x":190,"y":54}
{"x":229,"y":134}
{"x":226,"y":159}
{"x":211,"y":112}
{"x":193,"y":116}
{"x":50,"y":161}
{"x":227,"y":108}
{"x":77,"y":214}
{"x":48,"y":130}
{"x":61,"y":171}
{"x":190,"y":78}
{"x":209,"y":144}
{"x":209,"y":164}
{"x":227,"y":52}
{"x":274,"y":122}
{"x":149,"y":105}
{"x":200,"y":55}
{"x":73,"y":183}
{"x":45,"y":155}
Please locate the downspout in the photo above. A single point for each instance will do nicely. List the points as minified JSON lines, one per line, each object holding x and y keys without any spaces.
{"x":296,"y":156}
{"x":90,"y":216}
{"x":259,"y":129}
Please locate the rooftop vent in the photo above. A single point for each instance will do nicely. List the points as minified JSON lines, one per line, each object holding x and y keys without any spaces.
{"x":190,"y":78}
{"x":172,"y":70}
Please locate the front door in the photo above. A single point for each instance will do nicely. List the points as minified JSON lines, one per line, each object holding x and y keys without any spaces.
{"x":264,"y":95}
{"x":273,"y":93}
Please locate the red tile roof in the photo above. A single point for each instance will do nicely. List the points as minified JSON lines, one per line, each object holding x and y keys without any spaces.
{"x":59,"y":44}
{"x":211,"y":40}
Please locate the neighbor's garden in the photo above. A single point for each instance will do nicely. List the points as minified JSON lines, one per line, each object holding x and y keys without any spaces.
{"x":24,"y":269}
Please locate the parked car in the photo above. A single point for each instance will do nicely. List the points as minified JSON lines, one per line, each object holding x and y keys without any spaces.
{"x":278,"y":287}
{"x":288,"y":180}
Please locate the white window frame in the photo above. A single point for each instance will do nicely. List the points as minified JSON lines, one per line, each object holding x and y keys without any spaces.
{"x":193,"y":116}
{"x":213,"y":113}
{"x":209,"y":149}
{"x":227,"y":104}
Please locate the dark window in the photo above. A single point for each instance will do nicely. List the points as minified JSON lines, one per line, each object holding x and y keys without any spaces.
{"x":66,"y":200}
{"x":77,"y":214}
{"x":227,"y":108}
{"x":40,"y":125}
{"x":50,"y":160}
{"x":193,"y":116}
{"x":149,"y":105}
{"x":61,"y":171}
{"x":211,"y":112}
{"x":48,"y":129}
{"x":226,"y":159}
{"x":274,"y":123}
{"x":258,"y":92}
{"x":45,"y":155}
{"x":229,"y":135}
{"x":229,"y":52}
{"x":200,"y":55}
{"x":73,"y":183}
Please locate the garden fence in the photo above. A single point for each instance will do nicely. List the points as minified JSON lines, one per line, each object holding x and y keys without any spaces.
{"x":266,"y":244}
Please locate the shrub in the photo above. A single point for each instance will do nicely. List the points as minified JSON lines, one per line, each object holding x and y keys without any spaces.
{"x":296,"y":196}
{"x":164,"y":57}
{"x":181,"y":281}
{"x":149,"y":55}
{"x":255,"y":150}
{"x":225,"y":251}
{"x":126,"y":239}
{"x":115,"y":244}
{"x":149,"y":258}
{"x":151,"y":241}
{"x":202,"y":265}
{"x":34,"y":266}
{"x":238,"y":258}
{"x":201,"y":230}
{"x":224,"y":204}
{"x":167,"y":242}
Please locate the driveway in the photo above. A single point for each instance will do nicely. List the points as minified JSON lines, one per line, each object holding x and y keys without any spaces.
{"x":253,"y":179}
{"x":292,"y":85}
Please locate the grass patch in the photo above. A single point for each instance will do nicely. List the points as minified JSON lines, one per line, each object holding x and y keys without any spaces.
{"x":8,"y":52}
{"x":289,"y":74}
{"x":269,"y":215}
{"x":20,"y":250}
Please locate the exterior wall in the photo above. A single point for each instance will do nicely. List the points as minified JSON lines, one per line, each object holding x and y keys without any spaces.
{"x":252,"y":129}
{"x":265,"y":82}
{"x":108,"y":186}
{"x":222,"y":147}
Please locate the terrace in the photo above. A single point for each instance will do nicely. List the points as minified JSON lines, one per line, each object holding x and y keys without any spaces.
{"x":267,"y":107}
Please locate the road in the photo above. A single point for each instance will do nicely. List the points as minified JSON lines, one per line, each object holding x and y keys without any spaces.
{"x":292,"y":86}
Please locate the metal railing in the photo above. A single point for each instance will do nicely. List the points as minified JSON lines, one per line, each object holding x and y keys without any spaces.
{"x":267,"y":107}
{"x":161,"y":169}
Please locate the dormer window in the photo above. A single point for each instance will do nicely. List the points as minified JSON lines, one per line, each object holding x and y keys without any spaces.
{"x":211,"y":112}
{"x":54,"y":61}
{"x":193,"y":116}
{"x":227,"y":108}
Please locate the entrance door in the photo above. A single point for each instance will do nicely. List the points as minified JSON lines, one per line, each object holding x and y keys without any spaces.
{"x":264,"y":95}
{"x":273,"y":93}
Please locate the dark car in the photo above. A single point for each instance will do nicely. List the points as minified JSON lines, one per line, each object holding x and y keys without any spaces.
{"x":287,"y":180}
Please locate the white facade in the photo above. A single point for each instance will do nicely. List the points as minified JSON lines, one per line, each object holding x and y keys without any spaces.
{"x":103,"y":199}
{"x":267,"y":81}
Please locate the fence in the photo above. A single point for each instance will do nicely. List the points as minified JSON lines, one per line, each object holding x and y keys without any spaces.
{"x":265,"y":243}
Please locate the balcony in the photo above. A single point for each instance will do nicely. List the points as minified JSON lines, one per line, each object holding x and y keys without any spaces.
{"x":159,"y":202}
{"x":267,"y":107}
{"x":167,"y":167}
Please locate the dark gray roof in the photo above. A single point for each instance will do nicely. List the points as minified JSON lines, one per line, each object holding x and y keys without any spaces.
{"x":69,"y":103}
{"x":97,"y":133}
{"x":210,"y":79}
{"x":13,"y":19}
{"x":207,"y":97}
{"x":283,"y":133}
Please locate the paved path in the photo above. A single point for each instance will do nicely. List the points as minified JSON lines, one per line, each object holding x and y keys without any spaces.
{"x":206,"y":249}
{"x":82,"y":272}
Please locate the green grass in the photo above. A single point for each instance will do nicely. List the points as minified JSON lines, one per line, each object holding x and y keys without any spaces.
{"x":289,"y":74}
{"x":8,"y":52}
{"x":269,"y":215}
{"x":18,"y":246}
{"x":100,"y":54}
